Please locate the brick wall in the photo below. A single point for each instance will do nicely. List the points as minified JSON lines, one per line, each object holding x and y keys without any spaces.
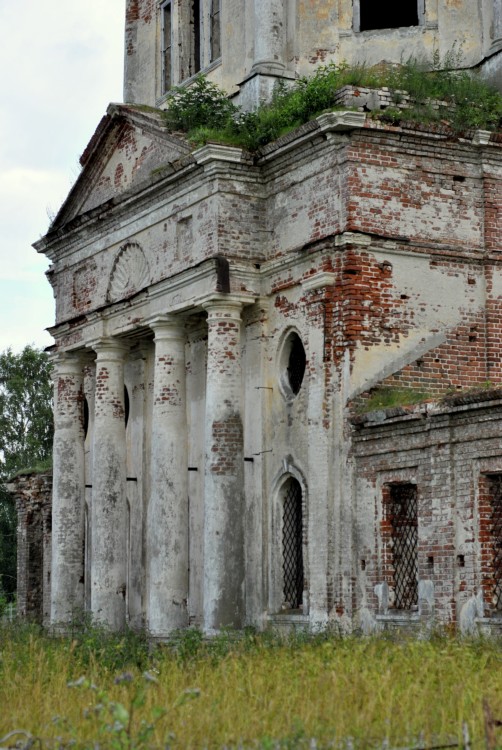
{"x":33,"y":496}
{"x":449,"y":452}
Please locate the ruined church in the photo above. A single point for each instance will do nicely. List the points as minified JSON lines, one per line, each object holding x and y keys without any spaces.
{"x":222,"y":319}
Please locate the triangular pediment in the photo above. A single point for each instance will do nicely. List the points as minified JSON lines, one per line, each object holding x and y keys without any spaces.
{"x":128,"y":145}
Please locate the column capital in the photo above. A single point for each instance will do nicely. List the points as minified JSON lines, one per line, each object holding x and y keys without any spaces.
{"x":66,"y":363}
{"x":109,"y":348}
{"x":168,"y":326}
{"x":230,"y":305}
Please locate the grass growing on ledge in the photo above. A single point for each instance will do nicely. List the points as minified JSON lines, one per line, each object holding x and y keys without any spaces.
{"x":386,"y":398}
{"x":254,"y":690}
{"x":204,"y":112}
{"x":41,"y":467}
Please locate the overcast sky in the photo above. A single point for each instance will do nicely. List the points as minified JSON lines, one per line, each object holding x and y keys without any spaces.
{"x":61,"y":63}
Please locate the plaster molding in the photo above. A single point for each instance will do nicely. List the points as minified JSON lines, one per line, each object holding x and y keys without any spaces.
{"x":218,"y":152}
{"x":225,"y":301}
{"x":481,"y":137}
{"x":340,"y":121}
{"x":318,"y":281}
{"x":130,"y":273}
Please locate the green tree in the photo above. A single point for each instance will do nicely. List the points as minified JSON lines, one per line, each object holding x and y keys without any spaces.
{"x":26,"y":431}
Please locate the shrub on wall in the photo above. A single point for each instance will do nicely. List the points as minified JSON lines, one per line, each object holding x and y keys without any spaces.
{"x":438,"y":89}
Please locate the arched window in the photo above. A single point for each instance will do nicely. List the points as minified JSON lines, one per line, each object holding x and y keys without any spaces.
{"x":292,"y":545}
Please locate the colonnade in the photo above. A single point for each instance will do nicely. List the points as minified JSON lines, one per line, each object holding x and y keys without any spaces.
{"x":167,"y":522}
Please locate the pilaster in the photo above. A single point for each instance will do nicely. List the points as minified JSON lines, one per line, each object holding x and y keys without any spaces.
{"x":269,"y":35}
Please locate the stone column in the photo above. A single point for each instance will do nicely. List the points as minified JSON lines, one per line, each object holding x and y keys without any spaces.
{"x":224,"y":475}
{"x":497,"y":23}
{"x":167,"y":515}
{"x":67,"y":585}
{"x":269,"y":34}
{"x":108,"y":507}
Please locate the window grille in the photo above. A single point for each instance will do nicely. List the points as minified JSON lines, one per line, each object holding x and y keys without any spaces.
{"x":296,"y":364}
{"x":496,"y":533}
{"x":292,"y":545}
{"x":404,"y":520}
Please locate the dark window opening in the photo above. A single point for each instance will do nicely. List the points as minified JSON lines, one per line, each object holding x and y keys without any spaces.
{"x":496,"y":539}
{"x":127,"y":406}
{"x":215,"y":29}
{"x":387,"y":15}
{"x":403,"y":510}
{"x":292,"y":545}
{"x":195,"y":26}
{"x":86,"y":417}
{"x":166,"y":46}
{"x":296,"y":363}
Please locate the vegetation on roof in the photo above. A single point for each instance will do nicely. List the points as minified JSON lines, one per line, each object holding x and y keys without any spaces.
{"x":387,"y":398}
{"x":39,"y":467}
{"x":440,"y":93}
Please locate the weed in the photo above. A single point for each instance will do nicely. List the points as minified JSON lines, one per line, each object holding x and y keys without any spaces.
{"x":386,"y":398}
{"x":439,"y":90}
{"x":187,"y":644}
{"x":202,"y":104}
{"x":259,"y":690}
{"x":91,"y":641}
{"x":113,"y":721}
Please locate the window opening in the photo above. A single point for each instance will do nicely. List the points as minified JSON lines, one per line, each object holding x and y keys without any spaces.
{"x":296,"y":364}
{"x":496,"y":539}
{"x":86,"y":417}
{"x":127,"y":406}
{"x":195,"y":25}
{"x":374,"y":15}
{"x":292,"y":545}
{"x":215,"y":30}
{"x":404,"y":521}
{"x":166,"y":50}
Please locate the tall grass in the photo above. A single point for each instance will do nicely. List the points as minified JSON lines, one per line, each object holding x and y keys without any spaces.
{"x":254,"y":690}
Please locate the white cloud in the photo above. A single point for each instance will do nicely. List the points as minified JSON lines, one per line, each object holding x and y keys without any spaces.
{"x":62,"y":63}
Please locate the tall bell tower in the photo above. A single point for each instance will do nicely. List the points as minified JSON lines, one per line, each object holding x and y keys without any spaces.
{"x":246,"y":46}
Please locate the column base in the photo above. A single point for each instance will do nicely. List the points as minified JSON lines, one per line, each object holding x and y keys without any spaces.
{"x":259,"y":86}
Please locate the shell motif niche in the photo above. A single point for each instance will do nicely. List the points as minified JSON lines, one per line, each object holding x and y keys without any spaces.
{"x":129,"y":274}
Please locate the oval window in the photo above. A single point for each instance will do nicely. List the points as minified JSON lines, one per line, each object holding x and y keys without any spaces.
{"x":297,"y":361}
{"x":127,"y":406}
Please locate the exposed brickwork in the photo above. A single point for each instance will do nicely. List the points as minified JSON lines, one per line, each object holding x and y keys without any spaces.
{"x":489,"y":539}
{"x":227,"y":444}
{"x":412,"y":192}
{"x":449,"y":454}
{"x":32,"y":493}
{"x":377,"y":248}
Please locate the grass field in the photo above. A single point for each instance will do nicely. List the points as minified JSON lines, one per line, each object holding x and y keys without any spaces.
{"x":93,"y":690}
